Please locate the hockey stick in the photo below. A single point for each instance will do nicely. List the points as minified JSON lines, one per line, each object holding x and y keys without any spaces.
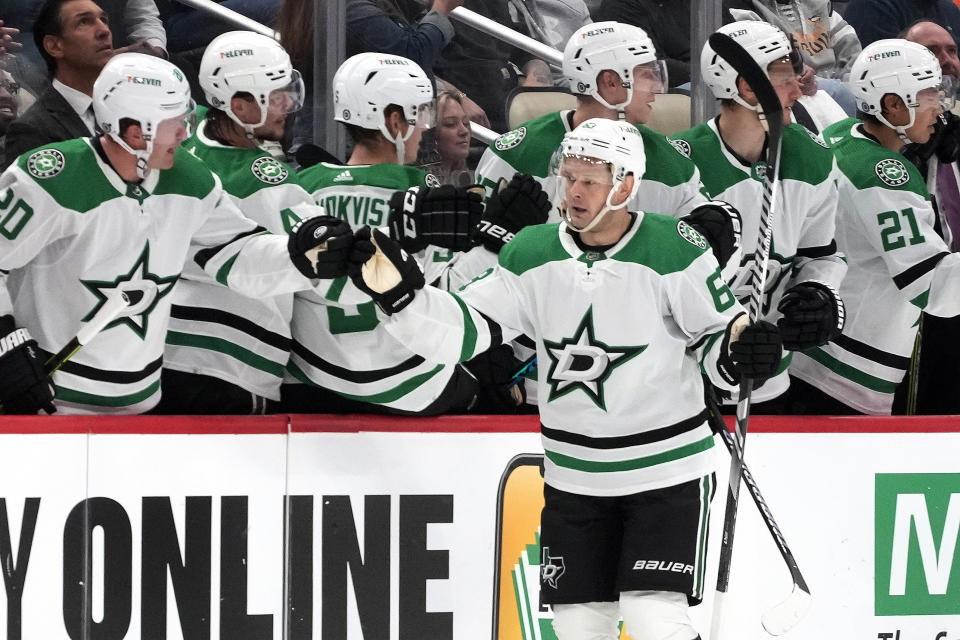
{"x":783,"y":616}
{"x":117,"y":302}
{"x":770,"y":112}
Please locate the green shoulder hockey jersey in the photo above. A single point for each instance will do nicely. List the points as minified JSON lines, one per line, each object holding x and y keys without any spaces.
{"x":73,"y":231}
{"x":622,"y":337}
{"x":670,"y":185}
{"x":338,"y":342}
{"x":218,"y":332}
{"x":898,"y":267}
{"x":803,"y":222}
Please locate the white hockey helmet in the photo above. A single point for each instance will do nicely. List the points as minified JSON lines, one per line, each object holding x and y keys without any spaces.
{"x":764,"y":42}
{"x":249,"y":62}
{"x":609,"y":46}
{"x":615,"y":143}
{"x":902,"y":68}
{"x":367,"y":83}
{"x":146,"y":89}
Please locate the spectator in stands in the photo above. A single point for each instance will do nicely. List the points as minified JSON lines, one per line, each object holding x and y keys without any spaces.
{"x":453,"y":138}
{"x":935,"y":380}
{"x":8,"y":41}
{"x":75,"y":40}
{"x":536,"y":73}
{"x":295,"y":24}
{"x":879,"y":19}
{"x":828,"y":44}
{"x":9,"y":105}
{"x":552,"y":22}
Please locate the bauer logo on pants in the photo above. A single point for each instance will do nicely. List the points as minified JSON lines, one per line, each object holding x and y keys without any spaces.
{"x":917,"y":561}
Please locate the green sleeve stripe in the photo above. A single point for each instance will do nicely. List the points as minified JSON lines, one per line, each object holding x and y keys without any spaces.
{"x":390,"y":395}
{"x":225,"y":347}
{"x":469,"y":331}
{"x":80,"y":397}
{"x":921,"y":300}
{"x":784,"y":362}
{"x":709,"y":345}
{"x":593,"y":466}
{"x":850,"y":373}
{"x":224,"y":271}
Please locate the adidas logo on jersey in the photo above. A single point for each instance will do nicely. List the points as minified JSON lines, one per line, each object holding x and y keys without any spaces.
{"x":343,"y":176}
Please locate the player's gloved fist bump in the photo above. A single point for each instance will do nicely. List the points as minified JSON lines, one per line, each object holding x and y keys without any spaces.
{"x":720,"y":224}
{"x":444,"y":216}
{"x":319,"y":246}
{"x":24,"y":385}
{"x":520,"y":203}
{"x":750,"y":350}
{"x":379,"y":266}
{"x":813,"y":314}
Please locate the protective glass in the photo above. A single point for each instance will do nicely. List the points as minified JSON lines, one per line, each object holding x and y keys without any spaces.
{"x":289,"y":98}
{"x":783,"y":72}
{"x":651,"y":77}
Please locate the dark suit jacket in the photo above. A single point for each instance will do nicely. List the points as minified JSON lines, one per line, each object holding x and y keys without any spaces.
{"x":50,"y":119}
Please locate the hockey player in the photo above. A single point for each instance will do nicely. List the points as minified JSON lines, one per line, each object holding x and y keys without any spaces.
{"x":125,"y":210}
{"x":338,"y":344}
{"x":225,"y":352}
{"x":804,"y":269}
{"x":898,"y":265}
{"x":626,"y":310}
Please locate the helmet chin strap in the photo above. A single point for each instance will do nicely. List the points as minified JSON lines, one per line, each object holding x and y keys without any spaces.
{"x":142,"y":155}
{"x":902,"y":129}
{"x":607,"y":207}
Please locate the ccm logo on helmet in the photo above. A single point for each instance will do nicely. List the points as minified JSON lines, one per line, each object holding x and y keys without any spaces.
{"x":153,"y":82}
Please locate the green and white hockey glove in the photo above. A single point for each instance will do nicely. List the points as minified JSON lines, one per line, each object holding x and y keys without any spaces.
{"x":444,"y":216}
{"x":520,"y":203}
{"x":319,"y":246}
{"x":379,"y":266}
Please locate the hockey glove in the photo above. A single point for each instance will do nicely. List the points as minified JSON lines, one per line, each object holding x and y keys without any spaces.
{"x":25,"y":387}
{"x":813,"y":315}
{"x":319,"y":247}
{"x":750,"y":350}
{"x":444,"y":216}
{"x":494,"y":370}
{"x":720,"y":224}
{"x":520,"y":203}
{"x":379,"y":266}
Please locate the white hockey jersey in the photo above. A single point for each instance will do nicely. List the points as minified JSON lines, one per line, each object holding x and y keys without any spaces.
{"x":219,"y":332}
{"x":338,"y":341}
{"x":71,"y":231}
{"x":898,"y":267}
{"x":803,"y":224}
{"x":622,"y":337}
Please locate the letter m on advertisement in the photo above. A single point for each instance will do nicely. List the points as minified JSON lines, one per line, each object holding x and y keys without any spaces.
{"x":917,"y":561}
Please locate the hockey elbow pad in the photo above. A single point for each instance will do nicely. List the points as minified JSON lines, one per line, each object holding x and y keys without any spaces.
{"x":380,"y":267}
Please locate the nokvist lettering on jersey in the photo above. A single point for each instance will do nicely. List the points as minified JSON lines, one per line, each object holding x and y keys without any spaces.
{"x":357,"y":210}
{"x":13,"y":340}
{"x":360,"y":561}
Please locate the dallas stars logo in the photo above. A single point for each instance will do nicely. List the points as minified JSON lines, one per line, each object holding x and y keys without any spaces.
{"x":510,"y":139}
{"x":583,"y":362}
{"x":138,"y":279}
{"x":892,"y":172}
{"x":268,"y":170}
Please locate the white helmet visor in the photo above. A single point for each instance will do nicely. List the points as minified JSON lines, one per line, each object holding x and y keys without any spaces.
{"x":651,"y":77}
{"x":943,"y":95}
{"x":176,"y":129}
{"x":424,"y":116}
{"x":289,"y":98}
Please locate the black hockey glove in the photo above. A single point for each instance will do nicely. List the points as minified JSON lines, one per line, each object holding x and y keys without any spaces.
{"x":319,"y":246}
{"x":444,"y":216}
{"x":494,"y":370}
{"x":520,"y":203}
{"x":25,"y":387}
{"x":754,"y":354}
{"x":813,"y":315}
{"x":720,"y":224}
{"x":379,"y":266}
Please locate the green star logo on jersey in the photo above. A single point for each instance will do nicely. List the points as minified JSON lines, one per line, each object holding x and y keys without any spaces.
{"x":45,"y":163}
{"x":583,"y":362}
{"x":892,"y":172}
{"x":138,"y":278}
{"x":269,"y":170}
{"x":510,"y":139}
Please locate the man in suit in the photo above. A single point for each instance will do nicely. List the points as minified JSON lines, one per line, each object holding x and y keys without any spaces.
{"x":75,"y":41}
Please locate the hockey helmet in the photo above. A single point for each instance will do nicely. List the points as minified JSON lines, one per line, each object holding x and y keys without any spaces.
{"x":146,"y":89}
{"x":609,"y":46}
{"x":244,"y":61}
{"x":764,"y":42}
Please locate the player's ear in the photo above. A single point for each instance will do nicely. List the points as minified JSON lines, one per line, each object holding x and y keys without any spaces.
{"x":623,"y":191}
{"x":133,"y":136}
{"x":745,"y":91}
{"x":892,"y":108}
